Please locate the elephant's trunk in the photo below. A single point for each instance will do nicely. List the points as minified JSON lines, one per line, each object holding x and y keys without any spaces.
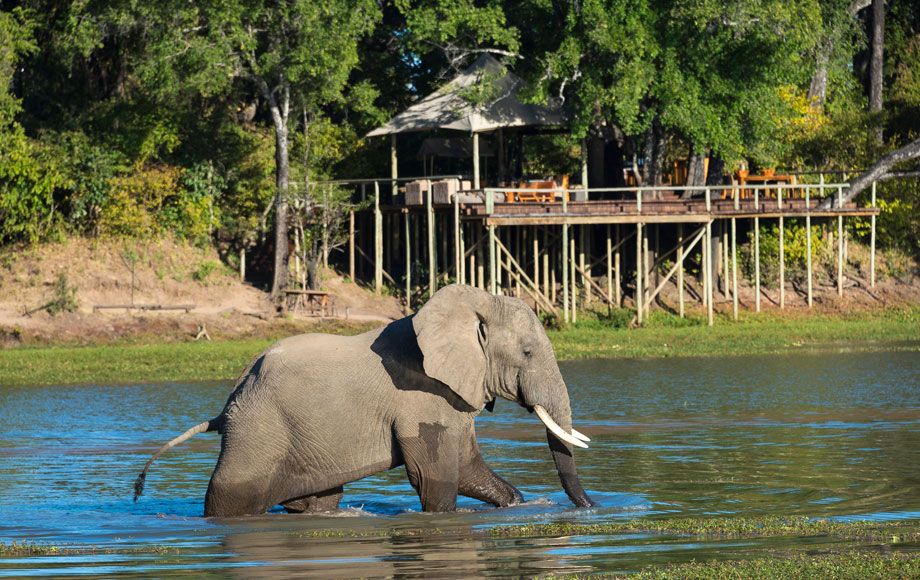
{"x":565,"y":466}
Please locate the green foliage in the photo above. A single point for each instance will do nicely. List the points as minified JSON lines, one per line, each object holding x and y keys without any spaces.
{"x":795,"y":252}
{"x":65,"y":296}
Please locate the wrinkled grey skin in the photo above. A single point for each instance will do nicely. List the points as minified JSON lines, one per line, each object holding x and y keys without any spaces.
{"x":316,"y":411}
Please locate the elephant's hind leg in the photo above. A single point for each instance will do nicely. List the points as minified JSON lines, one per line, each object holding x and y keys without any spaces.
{"x":325,"y":501}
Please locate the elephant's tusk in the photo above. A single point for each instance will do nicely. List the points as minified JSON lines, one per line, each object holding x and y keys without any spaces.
{"x":581,"y":436}
{"x":555,"y":428}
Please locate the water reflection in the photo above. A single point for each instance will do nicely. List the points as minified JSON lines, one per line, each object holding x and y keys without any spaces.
{"x":821,"y":435}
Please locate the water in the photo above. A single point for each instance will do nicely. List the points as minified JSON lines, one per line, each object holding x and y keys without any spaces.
{"x":830,"y":435}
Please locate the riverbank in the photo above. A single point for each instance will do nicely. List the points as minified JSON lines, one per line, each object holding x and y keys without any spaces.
{"x":149,"y":358}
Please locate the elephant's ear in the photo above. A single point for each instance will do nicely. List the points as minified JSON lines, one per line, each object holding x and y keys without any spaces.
{"x":449,"y":333}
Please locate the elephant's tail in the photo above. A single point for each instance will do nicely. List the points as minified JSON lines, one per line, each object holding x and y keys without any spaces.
{"x":212,"y":425}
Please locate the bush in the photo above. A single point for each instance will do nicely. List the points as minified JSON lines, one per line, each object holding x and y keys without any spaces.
{"x":795,"y":250}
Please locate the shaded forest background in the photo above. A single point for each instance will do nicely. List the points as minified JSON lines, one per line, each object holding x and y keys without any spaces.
{"x":203,"y":120}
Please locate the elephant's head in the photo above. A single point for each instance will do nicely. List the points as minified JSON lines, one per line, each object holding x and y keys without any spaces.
{"x":483,"y":347}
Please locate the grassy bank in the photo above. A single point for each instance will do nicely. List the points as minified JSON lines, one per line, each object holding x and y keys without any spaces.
{"x":665,"y":335}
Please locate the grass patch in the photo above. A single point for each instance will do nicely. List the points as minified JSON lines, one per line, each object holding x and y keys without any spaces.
{"x":765,"y":333}
{"x":144,"y":359}
{"x":30,"y":548}
{"x":773,"y":526}
{"x":858,"y":565}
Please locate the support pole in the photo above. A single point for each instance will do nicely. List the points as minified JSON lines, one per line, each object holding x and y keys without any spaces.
{"x":782,"y":263}
{"x":757,"y":264}
{"x":351,"y":246}
{"x":680,"y":268}
{"x":646,"y":272}
{"x":378,"y":241}
{"x":707,"y":258}
{"x":493,"y":266}
{"x":572,"y":278}
{"x":458,"y":247}
{"x":609,"y":271}
{"x":808,"y":245}
{"x":394,"y":167}
{"x":617,"y":277}
{"x":408,"y":308}
{"x":536,"y":261}
{"x":839,"y":243}
{"x":872,"y":243}
{"x":476,"y":161}
{"x":639,"y":294}
{"x":734,"y":250}
{"x":432,"y":255}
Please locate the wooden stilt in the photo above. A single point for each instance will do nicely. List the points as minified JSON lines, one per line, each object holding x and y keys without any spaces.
{"x":617,"y":275}
{"x":757,"y":264}
{"x":432,"y":252}
{"x":609,"y":272}
{"x":680,"y":268}
{"x":734,"y":251}
{"x":707,"y":255}
{"x":408,"y":230}
{"x":378,"y":241}
{"x":493,"y":265}
{"x":351,"y":246}
{"x":872,"y":243}
{"x":639,"y":293}
{"x":782,"y":263}
{"x":458,"y":246}
{"x":808,"y":265}
{"x":572,"y":278}
{"x":564,"y":264}
{"x":536,"y":260}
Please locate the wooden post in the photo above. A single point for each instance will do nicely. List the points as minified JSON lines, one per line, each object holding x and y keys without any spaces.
{"x":617,"y":259}
{"x":609,"y":272}
{"x":351,"y":245}
{"x":872,"y":243}
{"x":680,"y":268}
{"x":572,"y":278}
{"x":243,"y":263}
{"x":432,"y":253}
{"x":394,"y":172}
{"x":408,"y":308}
{"x":723,"y":257}
{"x":757,"y":264}
{"x":581,"y":263}
{"x":473,"y":279}
{"x":639,"y":293}
{"x":546,"y":292}
{"x":480,"y":266}
{"x":476,"y":161}
{"x":458,"y":247}
{"x":461,"y":275}
{"x":734,"y":250}
{"x":782,"y":263}
{"x":840,"y":242}
{"x":808,"y":265}
{"x":378,"y":241}
{"x":536,"y":262}
{"x":647,"y":274}
{"x":707,"y":258}
{"x":493,"y":265}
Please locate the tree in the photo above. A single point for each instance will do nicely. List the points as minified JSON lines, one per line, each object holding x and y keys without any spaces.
{"x":880,"y":171}
{"x":298,"y":54}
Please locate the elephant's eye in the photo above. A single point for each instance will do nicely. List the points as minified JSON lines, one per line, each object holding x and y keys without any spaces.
{"x":528,"y":354}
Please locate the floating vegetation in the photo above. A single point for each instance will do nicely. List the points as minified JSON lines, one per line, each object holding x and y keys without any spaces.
{"x":840,"y":566}
{"x":883,"y":532}
{"x":17,"y":548}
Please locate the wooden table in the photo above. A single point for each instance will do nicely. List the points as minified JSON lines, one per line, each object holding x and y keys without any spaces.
{"x":768,"y":177}
{"x":316,"y":300}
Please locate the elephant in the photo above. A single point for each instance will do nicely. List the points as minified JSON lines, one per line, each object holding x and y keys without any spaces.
{"x":316,"y":411}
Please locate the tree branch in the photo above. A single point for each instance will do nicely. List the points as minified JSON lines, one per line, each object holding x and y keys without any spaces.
{"x":877,"y":172}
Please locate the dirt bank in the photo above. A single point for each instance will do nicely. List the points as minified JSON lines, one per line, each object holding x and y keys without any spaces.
{"x":168,"y":274}
{"x":162,"y":273}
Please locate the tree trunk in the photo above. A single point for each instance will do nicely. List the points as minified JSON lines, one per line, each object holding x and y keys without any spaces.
{"x":877,"y":172}
{"x":279,"y":111}
{"x":877,"y":61}
{"x":817,"y":91}
{"x":696,"y":172}
{"x":653,"y":149}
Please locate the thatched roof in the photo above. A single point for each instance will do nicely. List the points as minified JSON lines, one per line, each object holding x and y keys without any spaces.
{"x":447,"y":109}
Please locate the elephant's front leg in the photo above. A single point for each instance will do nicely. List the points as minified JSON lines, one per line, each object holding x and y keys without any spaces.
{"x":430,"y":451}
{"x":478,"y":481}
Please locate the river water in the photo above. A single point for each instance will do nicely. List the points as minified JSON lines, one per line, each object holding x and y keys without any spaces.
{"x":829,"y":434}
